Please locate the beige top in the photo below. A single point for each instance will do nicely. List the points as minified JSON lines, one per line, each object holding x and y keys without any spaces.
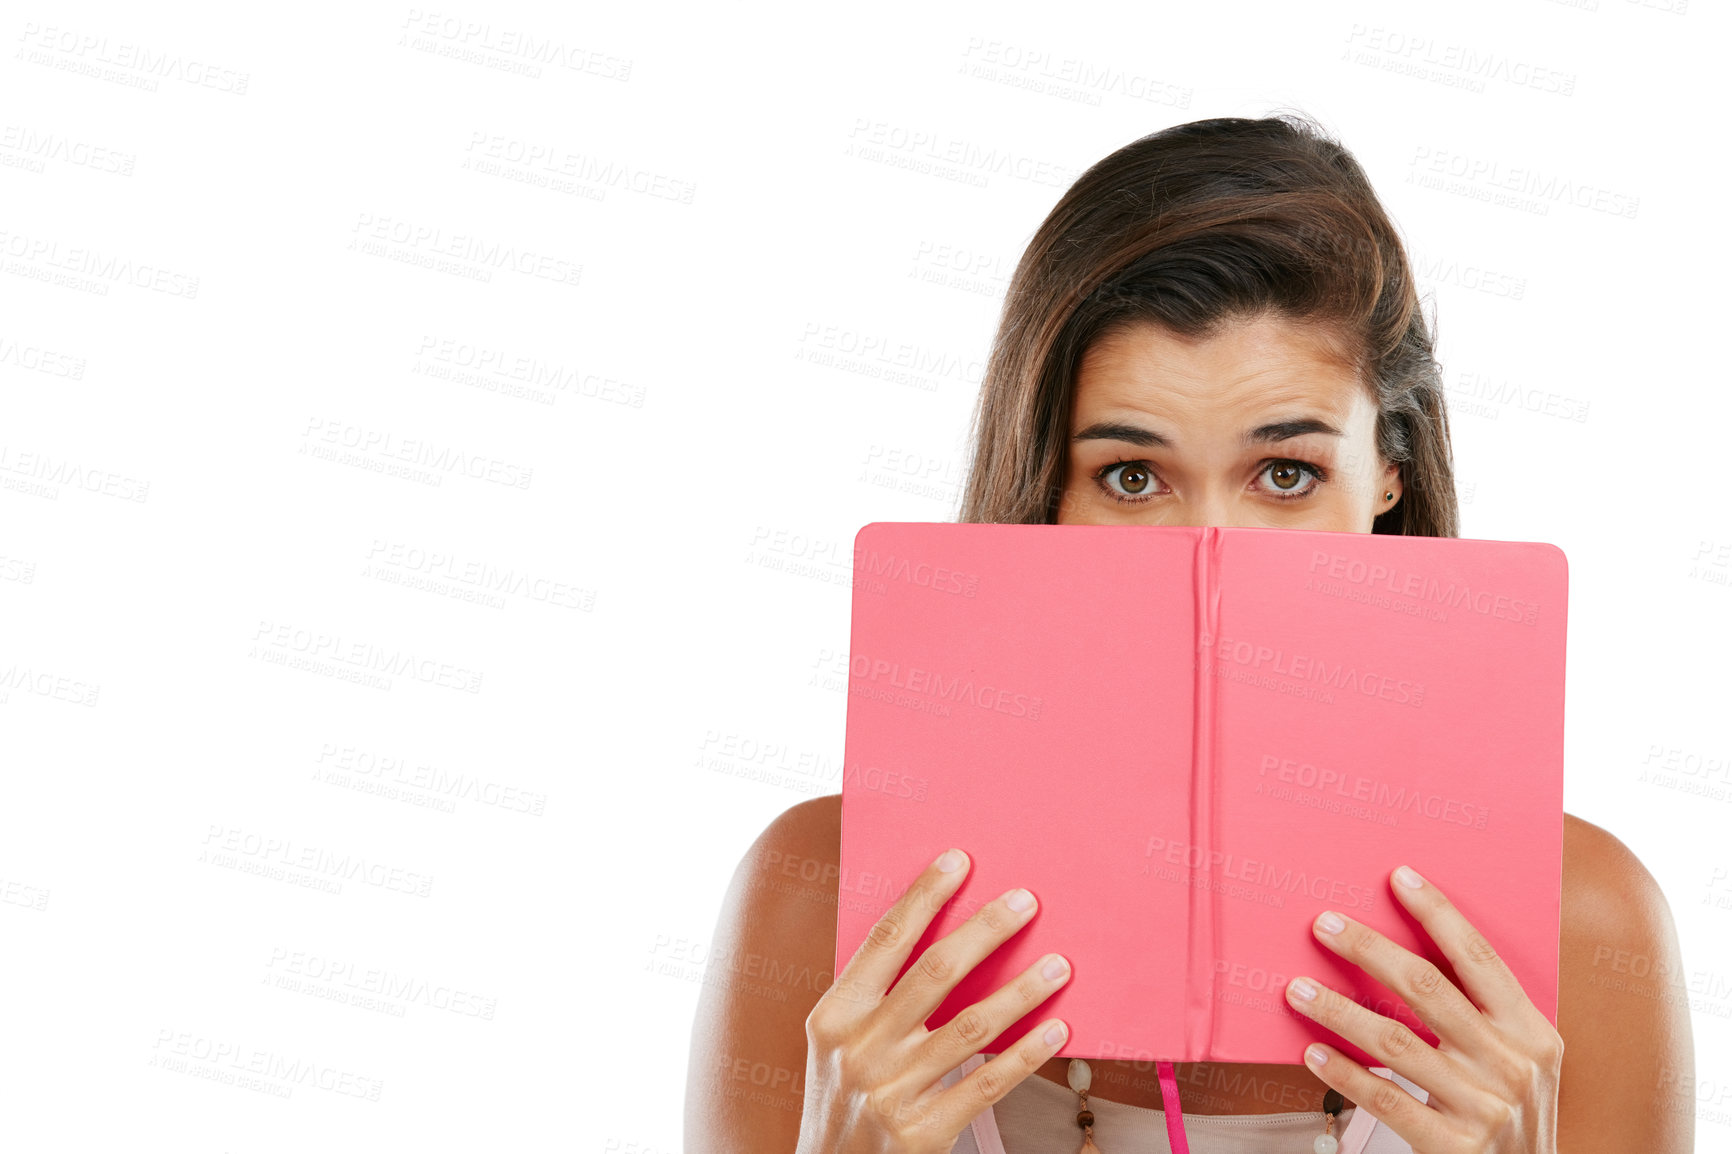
{"x":1039,"y":1117}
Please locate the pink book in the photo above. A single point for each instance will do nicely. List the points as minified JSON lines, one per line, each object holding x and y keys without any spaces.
{"x":1188,"y":742}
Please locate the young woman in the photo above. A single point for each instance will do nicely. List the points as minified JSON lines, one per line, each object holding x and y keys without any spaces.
{"x":1216,"y":325}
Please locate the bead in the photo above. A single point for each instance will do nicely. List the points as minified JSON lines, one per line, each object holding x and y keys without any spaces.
{"x":1085,"y":1119}
{"x":1324,"y":1144}
{"x":1332,"y":1101}
{"x":1079,"y":1075}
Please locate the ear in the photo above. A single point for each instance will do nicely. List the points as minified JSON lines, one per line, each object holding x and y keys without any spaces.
{"x":1389,"y":489}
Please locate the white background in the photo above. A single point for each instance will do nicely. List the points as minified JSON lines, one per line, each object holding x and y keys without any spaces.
{"x":218,"y":224}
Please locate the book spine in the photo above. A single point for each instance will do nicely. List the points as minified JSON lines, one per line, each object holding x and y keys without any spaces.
{"x":1203,"y":945}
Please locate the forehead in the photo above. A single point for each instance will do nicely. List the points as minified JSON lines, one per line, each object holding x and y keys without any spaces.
{"x":1245,"y":366}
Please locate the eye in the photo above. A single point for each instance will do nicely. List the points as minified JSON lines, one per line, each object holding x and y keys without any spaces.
{"x":1136,"y":481}
{"x":1287,"y":478}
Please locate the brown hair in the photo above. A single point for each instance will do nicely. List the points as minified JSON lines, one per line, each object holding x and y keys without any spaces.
{"x":1191,"y":227}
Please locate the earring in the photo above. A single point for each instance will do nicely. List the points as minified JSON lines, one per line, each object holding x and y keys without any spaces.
{"x":1079,"y":1077}
{"x":1389,"y":496}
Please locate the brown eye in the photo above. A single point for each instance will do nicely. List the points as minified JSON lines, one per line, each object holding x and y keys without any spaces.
{"x":1138,"y":481}
{"x":1292,"y":480}
{"x":1135,"y":478}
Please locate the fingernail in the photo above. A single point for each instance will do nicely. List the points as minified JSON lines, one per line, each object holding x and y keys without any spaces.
{"x":1019,"y":900}
{"x":1303,"y":990}
{"x":1315,"y":1056}
{"x":1408,"y":878}
{"x":1330,"y":922}
{"x":1055,"y":968}
{"x":949,"y":861}
{"x":1055,"y":1034}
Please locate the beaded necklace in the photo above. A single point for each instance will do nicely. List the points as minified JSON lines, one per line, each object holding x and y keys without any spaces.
{"x":1080,"y":1076}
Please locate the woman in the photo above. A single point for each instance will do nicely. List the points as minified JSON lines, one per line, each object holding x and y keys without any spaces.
{"x":1216,"y":325}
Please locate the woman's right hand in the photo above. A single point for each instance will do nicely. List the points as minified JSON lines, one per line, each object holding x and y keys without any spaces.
{"x":872,"y":1066}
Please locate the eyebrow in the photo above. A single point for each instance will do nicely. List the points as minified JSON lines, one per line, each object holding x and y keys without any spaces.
{"x":1262,"y":434}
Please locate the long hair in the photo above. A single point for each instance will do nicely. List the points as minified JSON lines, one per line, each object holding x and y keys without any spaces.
{"x":1191,"y":227}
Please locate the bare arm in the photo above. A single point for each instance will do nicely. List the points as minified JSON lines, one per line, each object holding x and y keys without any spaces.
{"x":1628,"y":1076}
{"x":777,"y":930}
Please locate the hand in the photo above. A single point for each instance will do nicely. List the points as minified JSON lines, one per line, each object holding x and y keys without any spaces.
{"x":1492,"y":1081}
{"x":872,"y":1066}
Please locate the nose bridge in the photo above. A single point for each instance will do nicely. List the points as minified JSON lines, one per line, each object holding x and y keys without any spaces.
{"x":1209,"y":501}
{"x":1214,"y":501}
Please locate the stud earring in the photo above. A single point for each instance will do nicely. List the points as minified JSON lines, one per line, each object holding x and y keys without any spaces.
{"x":1389,"y":496}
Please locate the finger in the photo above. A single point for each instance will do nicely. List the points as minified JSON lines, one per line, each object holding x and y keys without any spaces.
{"x":1420,"y":1126}
{"x":956,"y":1106}
{"x":927,"y":982}
{"x":1482,"y":973}
{"x":1391,"y":1042}
{"x":861,"y":985}
{"x":1429,"y":994}
{"x":976,"y":1026}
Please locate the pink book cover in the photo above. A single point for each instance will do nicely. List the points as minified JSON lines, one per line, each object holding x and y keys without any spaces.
{"x":1187,"y":743}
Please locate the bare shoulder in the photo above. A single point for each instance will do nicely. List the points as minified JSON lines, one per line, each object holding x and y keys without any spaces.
{"x":775,"y":943}
{"x":790,"y":873}
{"x":1616,"y":922}
{"x":1622,"y":1003}
{"x":1598,"y":868}
{"x":815,"y":825}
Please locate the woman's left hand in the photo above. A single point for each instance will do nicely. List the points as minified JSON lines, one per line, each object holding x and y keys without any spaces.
{"x":1492,"y":1080}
